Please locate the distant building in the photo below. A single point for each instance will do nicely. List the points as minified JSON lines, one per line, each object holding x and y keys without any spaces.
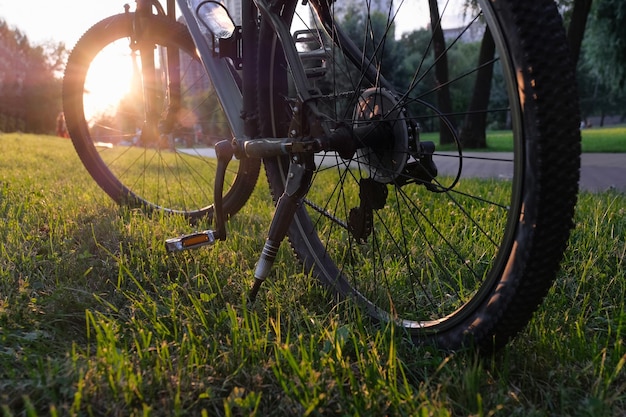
{"x":473,"y":34}
{"x":381,"y":6}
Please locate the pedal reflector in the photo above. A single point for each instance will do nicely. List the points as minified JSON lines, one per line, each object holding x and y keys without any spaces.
{"x":191,"y":241}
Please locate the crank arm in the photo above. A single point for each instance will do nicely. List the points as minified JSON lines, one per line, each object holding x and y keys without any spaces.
{"x":268,"y":148}
{"x":224,"y":151}
{"x":340,"y":141}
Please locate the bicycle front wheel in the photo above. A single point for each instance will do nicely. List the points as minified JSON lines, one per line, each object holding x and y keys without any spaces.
{"x":455,"y":246}
{"x":165,"y":163}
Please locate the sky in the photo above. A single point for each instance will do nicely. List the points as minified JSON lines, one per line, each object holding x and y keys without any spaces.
{"x":66,"y":20}
{"x":57,"y":20}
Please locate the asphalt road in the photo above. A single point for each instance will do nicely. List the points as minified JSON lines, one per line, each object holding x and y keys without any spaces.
{"x":599,"y":171}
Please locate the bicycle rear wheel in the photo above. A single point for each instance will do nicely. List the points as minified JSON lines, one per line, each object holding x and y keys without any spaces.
{"x":167,"y":165}
{"x":451,"y":258}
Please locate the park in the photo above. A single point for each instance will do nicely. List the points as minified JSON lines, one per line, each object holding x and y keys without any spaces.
{"x":98,"y":317}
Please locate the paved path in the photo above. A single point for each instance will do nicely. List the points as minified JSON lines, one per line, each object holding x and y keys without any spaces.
{"x":599,"y":171}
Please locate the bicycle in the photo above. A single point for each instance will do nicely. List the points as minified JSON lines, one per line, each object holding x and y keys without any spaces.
{"x":340,"y":119}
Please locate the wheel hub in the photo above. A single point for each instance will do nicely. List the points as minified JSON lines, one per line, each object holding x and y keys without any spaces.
{"x":385,"y":155}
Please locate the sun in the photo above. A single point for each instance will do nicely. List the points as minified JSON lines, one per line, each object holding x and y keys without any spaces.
{"x":111,"y":78}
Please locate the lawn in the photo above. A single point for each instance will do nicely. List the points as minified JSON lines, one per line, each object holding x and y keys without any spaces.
{"x":96,"y":318}
{"x":608,"y":139}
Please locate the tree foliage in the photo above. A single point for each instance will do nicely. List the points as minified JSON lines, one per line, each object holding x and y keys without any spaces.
{"x":601,"y":67}
{"x":605,"y":42}
{"x":473,"y":133}
{"x":414,"y":62}
{"x":30,"y":84}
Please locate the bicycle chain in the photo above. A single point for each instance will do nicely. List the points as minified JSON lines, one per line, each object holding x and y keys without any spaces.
{"x":325,"y":213}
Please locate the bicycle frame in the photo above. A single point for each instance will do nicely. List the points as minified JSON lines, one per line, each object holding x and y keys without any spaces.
{"x":316,"y":109}
{"x":240,"y":106}
{"x":314,"y":137}
{"x":235,"y":101}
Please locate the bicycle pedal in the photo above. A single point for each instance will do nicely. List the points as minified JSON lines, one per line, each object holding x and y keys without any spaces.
{"x":190,"y":241}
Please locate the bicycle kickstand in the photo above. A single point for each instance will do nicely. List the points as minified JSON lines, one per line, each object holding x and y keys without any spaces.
{"x":224,"y":152}
{"x":298,"y":182}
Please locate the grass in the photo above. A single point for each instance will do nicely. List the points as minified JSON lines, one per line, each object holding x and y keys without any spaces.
{"x":608,"y":139}
{"x":95,"y":318}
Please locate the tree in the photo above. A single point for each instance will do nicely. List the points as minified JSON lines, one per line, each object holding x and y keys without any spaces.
{"x":605,"y":42}
{"x":576,"y":27}
{"x":414,"y":73}
{"x":42,"y":91}
{"x":473,"y":134}
{"x":446,"y":136}
{"x":30,"y":82}
{"x":374,"y":37}
{"x":601,"y":73}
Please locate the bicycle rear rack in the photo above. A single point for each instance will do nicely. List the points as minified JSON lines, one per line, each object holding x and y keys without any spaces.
{"x":313,"y":53}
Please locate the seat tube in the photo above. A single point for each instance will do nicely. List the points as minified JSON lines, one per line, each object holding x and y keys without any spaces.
{"x":250,"y":38}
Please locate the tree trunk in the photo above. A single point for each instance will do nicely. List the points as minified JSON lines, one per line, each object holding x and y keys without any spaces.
{"x":576,"y":29}
{"x":446,"y":136}
{"x":602,"y":114}
{"x":473,"y":134}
